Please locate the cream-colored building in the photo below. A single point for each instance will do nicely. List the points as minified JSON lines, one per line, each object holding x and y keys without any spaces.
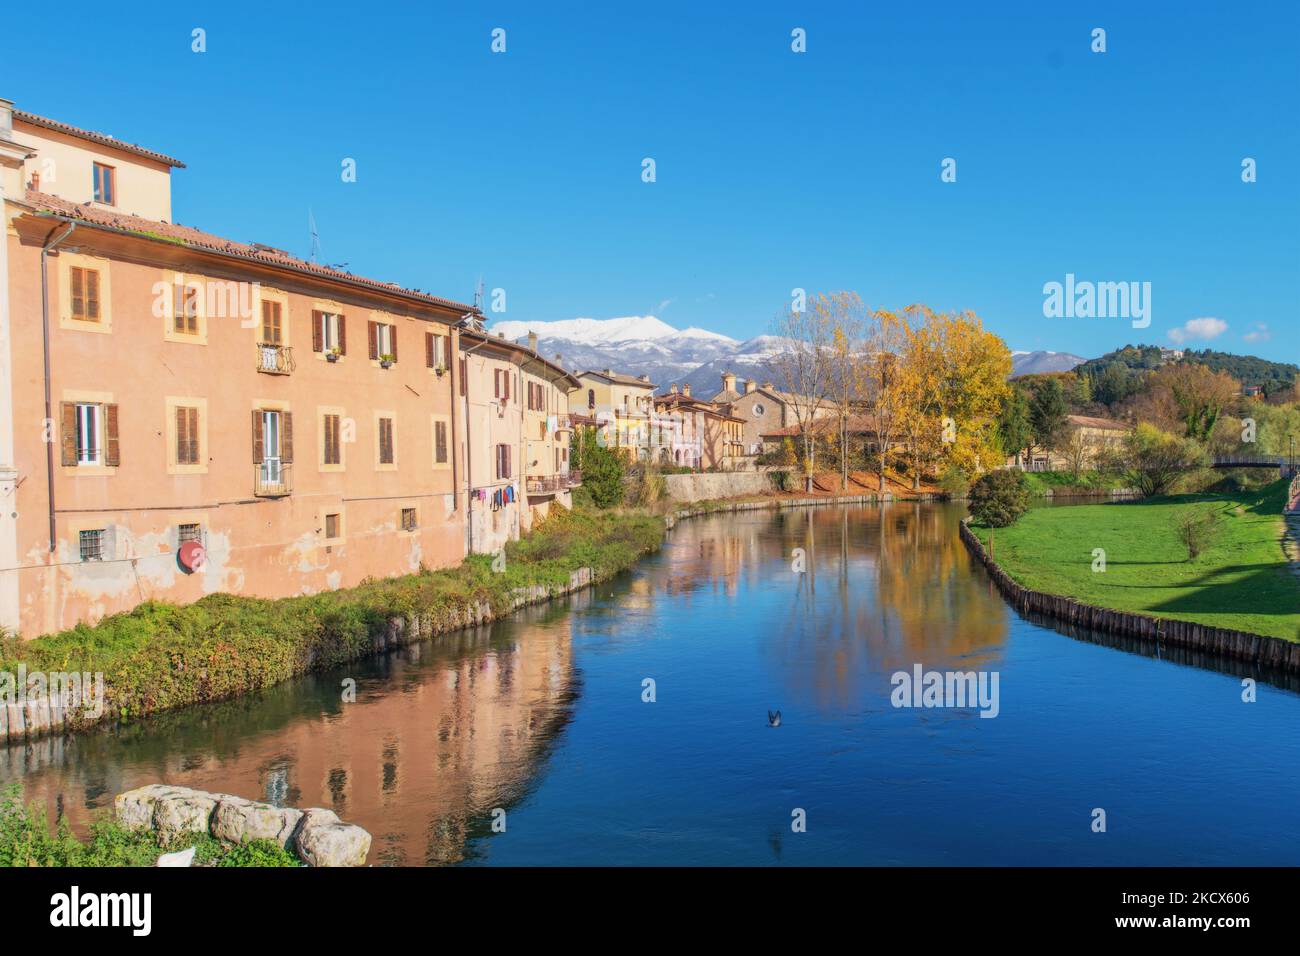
{"x":622,"y":404}
{"x":764,"y":409}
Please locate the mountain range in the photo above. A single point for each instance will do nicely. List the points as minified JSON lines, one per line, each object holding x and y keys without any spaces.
{"x":646,"y":345}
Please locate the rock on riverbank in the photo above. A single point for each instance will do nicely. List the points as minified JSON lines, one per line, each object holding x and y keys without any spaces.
{"x":318,"y":837}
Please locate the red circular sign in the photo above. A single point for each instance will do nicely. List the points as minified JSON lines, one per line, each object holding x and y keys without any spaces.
{"x":191,"y":555}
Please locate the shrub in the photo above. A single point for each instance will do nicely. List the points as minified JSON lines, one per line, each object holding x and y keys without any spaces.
{"x":602,"y":475}
{"x":954,"y":483}
{"x":1197,"y":529}
{"x":1155,"y":461}
{"x":999,"y":498}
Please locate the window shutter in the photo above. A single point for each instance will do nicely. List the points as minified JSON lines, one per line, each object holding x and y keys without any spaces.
{"x":286,"y":437}
{"x":68,"y":439}
{"x":428,"y":349}
{"x":92,"y":295}
{"x":317,"y":342}
{"x":372,"y":329}
{"x":392,"y":341}
{"x":78,"y":293}
{"x":343,"y":336}
{"x":112,"y":453}
{"x":182,"y":435}
{"x":464,"y":370}
{"x":506,"y":376}
{"x":257,"y":436}
{"x":446,"y":350}
{"x":496,"y":383}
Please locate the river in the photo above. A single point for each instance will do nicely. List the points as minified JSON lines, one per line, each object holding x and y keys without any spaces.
{"x":540,"y":723}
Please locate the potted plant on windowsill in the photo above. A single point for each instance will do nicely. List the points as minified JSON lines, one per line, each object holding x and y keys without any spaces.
{"x":333,"y":354}
{"x":440,"y":370}
{"x":386,"y":360}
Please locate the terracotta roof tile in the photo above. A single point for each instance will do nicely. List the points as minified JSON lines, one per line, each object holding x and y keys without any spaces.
{"x":195,"y":238}
{"x":102,"y":138}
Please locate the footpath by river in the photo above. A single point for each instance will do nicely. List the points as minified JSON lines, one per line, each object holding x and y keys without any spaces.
{"x":540,"y":721}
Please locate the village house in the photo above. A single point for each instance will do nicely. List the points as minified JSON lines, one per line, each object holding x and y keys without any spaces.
{"x":183,"y":414}
{"x":516,"y":454}
{"x":622,"y":405}
{"x":693,"y":433}
{"x":764,"y":409}
{"x":1087,"y":439}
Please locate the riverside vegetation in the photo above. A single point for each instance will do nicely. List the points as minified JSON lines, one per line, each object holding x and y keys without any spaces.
{"x":1238,"y":577}
{"x":160,"y":656}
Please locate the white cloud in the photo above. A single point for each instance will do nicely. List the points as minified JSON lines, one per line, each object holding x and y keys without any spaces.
{"x":1259,"y":333}
{"x":1194,"y":329}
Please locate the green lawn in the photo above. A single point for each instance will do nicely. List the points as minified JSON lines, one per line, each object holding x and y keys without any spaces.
{"x":1241,"y":581}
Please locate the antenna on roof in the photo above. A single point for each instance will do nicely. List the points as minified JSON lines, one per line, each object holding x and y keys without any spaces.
{"x":315,"y":238}
{"x":478,"y":294}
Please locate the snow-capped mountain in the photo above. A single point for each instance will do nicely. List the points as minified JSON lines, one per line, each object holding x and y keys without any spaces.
{"x":1031,"y":363}
{"x":634,"y":345}
{"x":646,"y":345}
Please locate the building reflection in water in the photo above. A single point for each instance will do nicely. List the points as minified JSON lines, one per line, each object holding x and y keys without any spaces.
{"x":440,"y":735}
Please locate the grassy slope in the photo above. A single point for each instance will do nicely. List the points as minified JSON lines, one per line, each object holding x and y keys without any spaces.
{"x":1241,"y":582}
{"x":159,"y":656}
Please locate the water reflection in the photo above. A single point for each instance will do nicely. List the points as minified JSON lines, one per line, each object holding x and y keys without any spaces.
{"x":440,"y":735}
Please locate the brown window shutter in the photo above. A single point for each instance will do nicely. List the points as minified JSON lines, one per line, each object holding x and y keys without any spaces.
{"x":343,"y":336}
{"x":286,"y":437}
{"x":182,"y":435}
{"x":317,"y":342}
{"x":78,"y":293}
{"x":68,"y":439}
{"x":428,"y":349}
{"x":257,"y":436}
{"x":506,"y":376}
{"x":112,"y":448}
{"x":92,"y":295}
{"x":372,"y":329}
{"x":464,"y":370}
{"x":392,"y":339}
{"x":446,"y":350}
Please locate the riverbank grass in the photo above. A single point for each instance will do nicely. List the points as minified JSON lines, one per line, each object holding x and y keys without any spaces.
{"x":1240,"y":581}
{"x":160,"y":656}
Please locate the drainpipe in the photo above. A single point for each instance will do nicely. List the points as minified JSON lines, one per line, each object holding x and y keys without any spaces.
{"x":45,"y":335}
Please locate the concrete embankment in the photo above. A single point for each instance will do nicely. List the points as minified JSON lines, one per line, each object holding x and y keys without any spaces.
{"x":1258,"y":649}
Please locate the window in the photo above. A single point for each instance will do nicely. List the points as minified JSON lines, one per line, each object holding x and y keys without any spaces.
{"x":464,"y":371}
{"x":332,"y":453}
{"x":332,"y":526}
{"x":440,"y":443}
{"x":536,"y":397}
{"x":185,"y":309}
{"x":104,"y":191}
{"x":503,"y":461}
{"x":85,"y":294}
{"x":385,"y":441}
{"x":272,"y":327}
{"x":92,"y":544}
{"x":329,"y":333}
{"x":187,"y":436}
{"x":189,"y":532}
{"x":759,"y":409}
{"x":437,"y":350}
{"x":272,"y":445}
{"x":591,"y":398}
{"x":383,"y":341}
{"x":89,"y":434}
{"x":408,"y":519}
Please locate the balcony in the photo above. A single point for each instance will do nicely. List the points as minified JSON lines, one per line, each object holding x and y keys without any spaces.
{"x":545,"y":484}
{"x":274,"y":359}
{"x":272,"y":478}
{"x":572,"y":478}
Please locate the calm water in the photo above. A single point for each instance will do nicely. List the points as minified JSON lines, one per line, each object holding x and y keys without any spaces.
{"x":543,"y":716}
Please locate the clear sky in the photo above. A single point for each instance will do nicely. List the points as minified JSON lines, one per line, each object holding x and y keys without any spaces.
{"x":774,"y":169}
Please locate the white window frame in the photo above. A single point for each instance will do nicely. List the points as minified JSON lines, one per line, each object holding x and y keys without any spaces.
{"x":329,"y":330}
{"x":90,"y":433}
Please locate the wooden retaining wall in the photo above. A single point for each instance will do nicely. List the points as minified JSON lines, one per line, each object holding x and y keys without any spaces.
{"x":1269,"y":652}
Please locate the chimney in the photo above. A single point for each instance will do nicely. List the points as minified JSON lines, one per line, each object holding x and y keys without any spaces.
{"x":532,"y":341}
{"x":768,"y":386}
{"x":6,"y":119}
{"x":750,"y":385}
{"x":686,"y":389}
{"x":672,"y":389}
{"x":644,"y":378}
{"x":609,"y":372}
{"x":728,"y":381}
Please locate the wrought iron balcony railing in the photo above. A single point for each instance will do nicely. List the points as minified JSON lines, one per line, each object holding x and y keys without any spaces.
{"x":272,"y":478}
{"x":274,"y":359}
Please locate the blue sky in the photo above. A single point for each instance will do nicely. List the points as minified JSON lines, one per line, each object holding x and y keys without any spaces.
{"x":774,"y":169}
